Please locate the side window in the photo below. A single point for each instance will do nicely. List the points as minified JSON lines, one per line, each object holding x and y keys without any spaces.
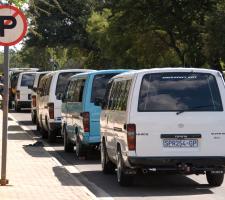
{"x":48,"y":85}
{"x":125,"y":93}
{"x":119,"y":95}
{"x":78,"y":88}
{"x":113,"y":96}
{"x":107,"y":94}
{"x":70,"y":91}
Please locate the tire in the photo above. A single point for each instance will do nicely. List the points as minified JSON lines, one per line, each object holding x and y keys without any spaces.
{"x":214,"y":180}
{"x":33,"y":118}
{"x":51,"y":136}
{"x":122,"y":178}
{"x":80,"y":152}
{"x":68,"y":146}
{"x":43,"y":133}
{"x":107,"y":166}
{"x":38,"y":125}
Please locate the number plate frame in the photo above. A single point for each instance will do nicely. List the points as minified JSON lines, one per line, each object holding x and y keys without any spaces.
{"x":180,"y":143}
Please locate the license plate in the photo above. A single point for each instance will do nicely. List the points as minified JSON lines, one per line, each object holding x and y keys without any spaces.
{"x":175,"y":143}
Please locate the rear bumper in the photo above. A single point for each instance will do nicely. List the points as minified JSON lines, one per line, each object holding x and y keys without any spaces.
{"x":173,"y":162}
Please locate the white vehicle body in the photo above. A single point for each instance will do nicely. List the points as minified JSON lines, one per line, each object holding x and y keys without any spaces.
{"x":23,"y":91}
{"x":190,"y":139}
{"x":49,"y":101}
{"x":34,"y":103}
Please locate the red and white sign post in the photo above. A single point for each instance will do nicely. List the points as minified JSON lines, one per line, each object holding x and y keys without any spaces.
{"x":13,"y":28}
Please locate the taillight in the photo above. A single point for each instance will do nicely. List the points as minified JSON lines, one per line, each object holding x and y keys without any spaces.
{"x":51,"y":110}
{"x":34,"y":102}
{"x":18,"y":94}
{"x":131,"y":136}
{"x":86,"y":121}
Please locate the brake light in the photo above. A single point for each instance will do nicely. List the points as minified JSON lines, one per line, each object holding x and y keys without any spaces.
{"x":86,"y":121}
{"x":131,"y":136}
{"x":18,"y":94}
{"x":51,"y":110}
{"x":34,"y":102}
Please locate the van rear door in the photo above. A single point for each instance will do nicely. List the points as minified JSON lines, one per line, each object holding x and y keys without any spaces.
{"x":27,"y":80}
{"x":179,"y":114}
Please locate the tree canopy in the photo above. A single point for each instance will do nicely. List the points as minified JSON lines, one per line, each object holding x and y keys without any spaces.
{"x":125,"y":33}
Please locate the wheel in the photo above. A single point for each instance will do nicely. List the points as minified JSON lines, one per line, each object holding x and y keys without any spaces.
{"x":38,"y":125}
{"x":214,"y":180}
{"x":122,"y":178}
{"x":68,"y":146}
{"x":33,"y":118}
{"x":107,"y":166}
{"x":51,"y":136}
{"x":80,"y":152}
{"x":43,"y":133}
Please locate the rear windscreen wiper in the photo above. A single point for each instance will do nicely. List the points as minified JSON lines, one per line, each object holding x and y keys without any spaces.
{"x":194,"y":108}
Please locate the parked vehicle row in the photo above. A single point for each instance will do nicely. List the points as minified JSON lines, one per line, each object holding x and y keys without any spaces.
{"x":168,"y":120}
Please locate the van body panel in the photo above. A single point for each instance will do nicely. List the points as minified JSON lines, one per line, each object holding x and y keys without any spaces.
{"x":164,"y":138}
{"x":87,"y":105}
{"x":51,"y":97}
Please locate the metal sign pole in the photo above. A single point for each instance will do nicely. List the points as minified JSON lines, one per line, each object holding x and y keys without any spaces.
{"x":3,"y":180}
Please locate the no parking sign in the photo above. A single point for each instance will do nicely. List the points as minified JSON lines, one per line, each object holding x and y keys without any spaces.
{"x":13,"y":25}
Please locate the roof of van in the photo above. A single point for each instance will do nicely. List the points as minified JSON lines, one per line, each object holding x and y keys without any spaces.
{"x":69,"y":70}
{"x":168,"y":69}
{"x":100,"y":72}
{"x":28,"y":72}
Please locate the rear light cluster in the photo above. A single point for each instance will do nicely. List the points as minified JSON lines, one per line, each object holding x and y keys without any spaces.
{"x":86,"y":121}
{"x":131,"y":136}
{"x":34,"y":102}
{"x":51,"y":110}
{"x":17,"y":94}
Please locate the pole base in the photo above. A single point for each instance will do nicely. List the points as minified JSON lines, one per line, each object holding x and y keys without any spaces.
{"x":4,"y":182}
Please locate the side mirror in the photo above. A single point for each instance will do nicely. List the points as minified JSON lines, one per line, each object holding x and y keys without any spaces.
{"x":34,"y":89}
{"x":63,"y":98}
{"x":59,"y":96}
{"x":99,"y":102}
{"x":30,"y":87}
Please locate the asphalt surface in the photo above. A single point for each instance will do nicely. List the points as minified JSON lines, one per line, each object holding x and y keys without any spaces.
{"x":145,"y":187}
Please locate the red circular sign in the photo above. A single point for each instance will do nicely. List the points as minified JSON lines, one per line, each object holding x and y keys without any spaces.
{"x":12,"y":36}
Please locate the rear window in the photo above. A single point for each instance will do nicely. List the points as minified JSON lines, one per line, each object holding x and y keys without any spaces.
{"x":27,"y":80}
{"x":179,"y":91}
{"x":99,"y":85}
{"x":62,"y":82}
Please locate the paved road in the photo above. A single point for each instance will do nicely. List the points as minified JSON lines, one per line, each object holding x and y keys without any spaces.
{"x":146,"y":187}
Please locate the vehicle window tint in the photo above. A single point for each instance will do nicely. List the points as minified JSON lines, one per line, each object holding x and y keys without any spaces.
{"x":27,"y":80}
{"x":14,"y":79}
{"x":179,"y":91}
{"x":70,"y":91}
{"x":107,"y":94}
{"x":47,"y":86}
{"x":119,"y":95}
{"x":62,"y":82}
{"x":78,"y":88}
{"x":99,"y":85}
{"x":39,"y":79}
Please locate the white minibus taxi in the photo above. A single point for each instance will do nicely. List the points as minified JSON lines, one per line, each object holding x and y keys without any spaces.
{"x":23,"y":91}
{"x":49,"y":96}
{"x":164,"y":120}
